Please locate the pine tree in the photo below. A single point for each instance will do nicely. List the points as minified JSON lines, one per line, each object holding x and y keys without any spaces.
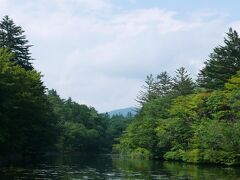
{"x":149,"y":91}
{"x":155,"y":87}
{"x":12,"y":37}
{"x":223,"y":63}
{"x":164,"y":84}
{"x":182,"y":82}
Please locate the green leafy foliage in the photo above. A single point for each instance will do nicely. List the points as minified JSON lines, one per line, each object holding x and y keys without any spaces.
{"x":26,"y":119}
{"x":34,"y":120}
{"x":192,"y":124}
{"x":82,"y":129}
{"x":176,"y":120}
{"x":196,"y":128}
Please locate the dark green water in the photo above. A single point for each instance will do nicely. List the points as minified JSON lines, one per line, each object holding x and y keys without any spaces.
{"x":111,"y":167}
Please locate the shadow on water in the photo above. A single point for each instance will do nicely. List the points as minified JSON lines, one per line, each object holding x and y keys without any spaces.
{"x":110,"y":167}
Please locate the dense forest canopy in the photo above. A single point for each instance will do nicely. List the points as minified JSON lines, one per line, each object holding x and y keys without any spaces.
{"x":184,"y":120}
{"x":34,"y":119}
{"x":178,"y":118}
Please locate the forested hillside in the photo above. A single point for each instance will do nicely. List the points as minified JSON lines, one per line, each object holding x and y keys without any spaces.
{"x":191,"y":121}
{"x":34,"y":119}
{"x":179,"y":118}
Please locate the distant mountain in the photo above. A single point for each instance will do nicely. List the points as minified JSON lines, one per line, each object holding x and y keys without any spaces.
{"x":123,"y":111}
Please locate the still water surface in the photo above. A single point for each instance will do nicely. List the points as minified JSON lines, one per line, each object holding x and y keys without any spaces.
{"x":112,"y":167}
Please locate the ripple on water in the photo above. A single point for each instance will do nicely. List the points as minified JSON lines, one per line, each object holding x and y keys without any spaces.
{"x":114,"y":169}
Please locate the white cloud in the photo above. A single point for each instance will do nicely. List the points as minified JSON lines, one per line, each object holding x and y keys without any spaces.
{"x":100,"y":58}
{"x":3,"y":3}
{"x":83,"y":5}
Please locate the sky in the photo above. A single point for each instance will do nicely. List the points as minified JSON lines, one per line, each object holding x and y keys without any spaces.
{"x":99,"y":52}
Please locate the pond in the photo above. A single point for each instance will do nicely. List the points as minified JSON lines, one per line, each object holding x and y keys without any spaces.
{"x":75,"y":167}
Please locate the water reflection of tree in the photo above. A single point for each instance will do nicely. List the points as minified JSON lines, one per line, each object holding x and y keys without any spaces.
{"x":146,"y":169}
{"x":133,"y":168}
{"x":190,"y":171}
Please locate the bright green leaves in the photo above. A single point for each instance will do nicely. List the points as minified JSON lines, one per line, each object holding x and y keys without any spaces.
{"x":233,"y":83}
{"x":82,"y":129}
{"x":200,"y":127}
{"x":139,"y":134}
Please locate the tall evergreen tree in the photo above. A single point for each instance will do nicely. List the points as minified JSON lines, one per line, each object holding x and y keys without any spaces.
{"x":149,"y":91}
{"x":164,"y":84}
{"x":12,"y":37}
{"x":182,"y":82}
{"x":223,"y":63}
